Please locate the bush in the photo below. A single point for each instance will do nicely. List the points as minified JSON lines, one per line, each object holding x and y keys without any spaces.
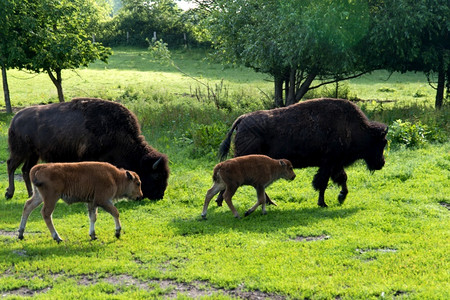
{"x":204,"y":140}
{"x":412,"y":135}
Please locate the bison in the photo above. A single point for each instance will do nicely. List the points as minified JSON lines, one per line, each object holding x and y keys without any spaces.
{"x":327,"y":133}
{"x":84,"y":129}
{"x":96,"y":183}
{"x":258,"y":171}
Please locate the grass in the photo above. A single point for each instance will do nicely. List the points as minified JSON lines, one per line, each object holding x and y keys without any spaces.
{"x":388,"y":240}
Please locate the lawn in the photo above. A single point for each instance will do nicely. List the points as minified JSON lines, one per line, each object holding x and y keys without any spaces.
{"x":390,"y":239}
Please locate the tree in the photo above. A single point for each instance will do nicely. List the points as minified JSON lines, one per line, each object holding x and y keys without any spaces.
{"x":293,"y":41}
{"x":411,"y":35}
{"x":61,"y":38}
{"x":11,"y":53}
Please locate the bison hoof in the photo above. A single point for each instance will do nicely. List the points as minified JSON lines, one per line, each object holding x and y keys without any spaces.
{"x":93,"y":238}
{"x":219,"y":203}
{"x":322,"y":204}
{"x":8,"y":195}
{"x":342,"y":197}
{"x":20,"y":236}
{"x":58,"y":239}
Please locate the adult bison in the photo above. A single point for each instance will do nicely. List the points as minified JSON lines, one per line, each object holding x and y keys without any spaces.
{"x":84,"y":129}
{"x":327,"y":133}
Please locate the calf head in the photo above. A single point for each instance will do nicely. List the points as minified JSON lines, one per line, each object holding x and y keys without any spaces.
{"x":133,"y":187}
{"x":287,"y":169}
{"x":374,"y":156}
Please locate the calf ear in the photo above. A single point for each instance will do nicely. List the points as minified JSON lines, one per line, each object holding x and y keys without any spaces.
{"x":129,"y":176}
{"x":282,"y":163}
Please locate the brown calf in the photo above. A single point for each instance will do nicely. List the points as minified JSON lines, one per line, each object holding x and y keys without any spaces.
{"x":96,"y":183}
{"x":258,"y":171}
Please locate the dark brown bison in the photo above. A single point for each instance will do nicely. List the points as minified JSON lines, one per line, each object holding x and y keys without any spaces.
{"x":84,"y":129}
{"x":327,"y":133}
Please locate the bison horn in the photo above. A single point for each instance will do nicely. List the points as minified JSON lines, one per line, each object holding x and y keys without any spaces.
{"x":155,"y":165}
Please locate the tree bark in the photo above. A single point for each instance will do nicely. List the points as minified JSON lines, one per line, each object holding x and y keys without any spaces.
{"x":290,"y":98}
{"x":304,"y":86}
{"x":6,"y":91}
{"x":57,"y":81}
{"x":278,"y":92}
{"x":440,"y":87}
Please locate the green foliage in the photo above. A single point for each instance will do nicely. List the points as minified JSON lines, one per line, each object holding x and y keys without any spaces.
{"x":387,"y":240}
{"x":415,"y":134}
{"x":204,"y":140}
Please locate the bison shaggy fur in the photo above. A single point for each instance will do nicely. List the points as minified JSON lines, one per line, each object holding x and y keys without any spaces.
{"x":327,"y":133}
{"x":84,"y":129}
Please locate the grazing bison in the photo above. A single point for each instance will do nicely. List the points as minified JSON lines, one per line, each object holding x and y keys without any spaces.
{"x":84,"y":129}
{"x":96,"y":183}
{"x":328,"y":133}
{"x":258,"y":171}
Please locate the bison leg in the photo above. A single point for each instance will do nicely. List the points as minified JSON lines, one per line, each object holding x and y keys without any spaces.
{"x":12,"y":164}
{"x":340,"y":177}
{"x":261,"y":201}
{"x":29,"y":206}
{"x":109,"y":207}
{"x":92,"y":208}
{"x":227,"y":195}
{"x":29,"y":163}
{"x":47,"y":211}
{"x":320,"y":183}
{"x":210,"y":194}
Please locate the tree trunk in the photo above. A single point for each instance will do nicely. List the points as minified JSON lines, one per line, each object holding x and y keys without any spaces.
{"x":6,"y":91}
{"x":304,"y":87}
{"x":278,"y":92}
{"x":57,"y":81}
{"x":440,"y":88}
{"x":290,"y":99}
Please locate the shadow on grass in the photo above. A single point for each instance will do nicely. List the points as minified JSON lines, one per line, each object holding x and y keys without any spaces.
{"x":223,"y":221}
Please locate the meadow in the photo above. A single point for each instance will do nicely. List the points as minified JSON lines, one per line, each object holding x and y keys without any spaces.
{"x":390,"y":239}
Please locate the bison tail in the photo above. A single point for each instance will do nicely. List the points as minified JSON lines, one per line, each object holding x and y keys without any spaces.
{"x":226,"y":143}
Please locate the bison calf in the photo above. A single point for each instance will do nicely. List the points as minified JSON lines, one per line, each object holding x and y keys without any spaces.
{"x":96,"y":183}
{"x":258,"y":171}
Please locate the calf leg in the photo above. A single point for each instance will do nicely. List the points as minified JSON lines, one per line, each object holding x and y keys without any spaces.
{"x":320,"y":183}
{"x":109,"y":207}
{"x":210,"y":194}
{"x":340,"y":177}
{"x":47,"y":211}
{"x":261,"y":201}
{"x":227,"y":195}
{"x":29,"y":206}
{"x":92,"y":208}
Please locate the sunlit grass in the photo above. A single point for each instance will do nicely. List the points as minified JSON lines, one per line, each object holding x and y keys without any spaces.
{"x":389,"y":239}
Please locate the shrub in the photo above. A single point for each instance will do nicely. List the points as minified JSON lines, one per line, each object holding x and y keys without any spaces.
{"x":204,"y":140}
{"x":413,"y":135}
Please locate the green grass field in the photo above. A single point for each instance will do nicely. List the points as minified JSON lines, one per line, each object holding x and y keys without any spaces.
{"x":390,"y":239}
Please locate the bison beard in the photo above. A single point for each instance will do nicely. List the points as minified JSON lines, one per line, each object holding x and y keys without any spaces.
{"x":84,"y":129}
{"x":327,"y":133}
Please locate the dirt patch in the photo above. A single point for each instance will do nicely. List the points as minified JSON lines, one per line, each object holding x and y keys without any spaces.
{"x":382,"y":250}
{"x":301,"y":238}
{"x":445,"y":204}
{"x":8,"y":233}
{"x":173,"y":288}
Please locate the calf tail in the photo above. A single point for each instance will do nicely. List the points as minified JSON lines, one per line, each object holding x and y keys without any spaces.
{"x":34,"y":178}
{"x":226,"y":143}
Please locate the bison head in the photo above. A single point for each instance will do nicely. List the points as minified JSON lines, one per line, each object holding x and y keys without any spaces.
{"x":154,"y":173}
{"x":375,"y":148}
